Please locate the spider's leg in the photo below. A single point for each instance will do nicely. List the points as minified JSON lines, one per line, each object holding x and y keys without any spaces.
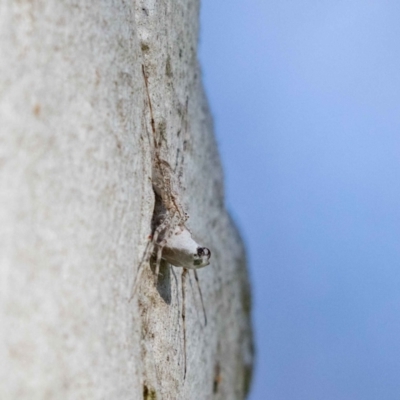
{"x":146,"y":256}
{"x":147,"y":253}
{"x":162,"y":226}
{"x":180,"y":156}
{"x":158,"y":261}
{"x":184,"y":320}
{"x":176,"y":283}
{"x":201,"y":296}
{"x":153,"y":128}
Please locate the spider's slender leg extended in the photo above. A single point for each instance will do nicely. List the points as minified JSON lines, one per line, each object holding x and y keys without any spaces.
{"x":158,"y":262}
{"x":201,"y":297}
{"x":184,"y":320}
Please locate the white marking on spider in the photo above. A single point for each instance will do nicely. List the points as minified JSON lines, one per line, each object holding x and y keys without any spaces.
{"x":182,"y":251}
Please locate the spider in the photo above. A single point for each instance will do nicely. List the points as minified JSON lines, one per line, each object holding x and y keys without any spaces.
{"x":170,"y":240}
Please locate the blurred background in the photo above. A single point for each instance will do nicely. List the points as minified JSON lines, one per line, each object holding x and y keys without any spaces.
{"x":306,"y":103}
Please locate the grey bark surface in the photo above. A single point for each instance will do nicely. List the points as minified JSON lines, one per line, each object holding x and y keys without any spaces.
{"x":76,"y":204}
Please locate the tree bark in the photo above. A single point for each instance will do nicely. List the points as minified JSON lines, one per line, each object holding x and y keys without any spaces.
{"x":77,"y":146}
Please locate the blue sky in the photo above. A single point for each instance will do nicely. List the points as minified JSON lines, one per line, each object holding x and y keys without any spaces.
{"x":306,"y":103}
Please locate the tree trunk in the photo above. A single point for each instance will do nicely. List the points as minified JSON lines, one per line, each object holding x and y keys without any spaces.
{"x":88,"y":92}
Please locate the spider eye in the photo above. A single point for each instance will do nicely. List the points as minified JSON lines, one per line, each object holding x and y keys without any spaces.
{"x":203,"y":252}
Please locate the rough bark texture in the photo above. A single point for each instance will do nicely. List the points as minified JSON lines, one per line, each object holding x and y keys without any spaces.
{"x":76,"y":204}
